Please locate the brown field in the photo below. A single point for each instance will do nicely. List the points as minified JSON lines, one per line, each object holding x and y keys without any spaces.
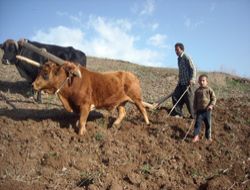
{"x":40,"y":149}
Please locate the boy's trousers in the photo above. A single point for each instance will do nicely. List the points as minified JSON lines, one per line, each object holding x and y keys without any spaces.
{"x":205,"y":116}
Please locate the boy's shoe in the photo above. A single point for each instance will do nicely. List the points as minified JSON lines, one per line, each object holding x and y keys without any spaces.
{"x":196,"y":139}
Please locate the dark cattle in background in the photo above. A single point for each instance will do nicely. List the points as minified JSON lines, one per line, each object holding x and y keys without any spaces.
{"x":12,"y":48}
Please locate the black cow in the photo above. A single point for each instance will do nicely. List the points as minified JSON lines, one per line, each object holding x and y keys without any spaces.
{"x":12,"y":48}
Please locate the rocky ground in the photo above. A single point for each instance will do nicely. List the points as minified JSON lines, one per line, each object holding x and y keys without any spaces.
{"x":40,"y":149}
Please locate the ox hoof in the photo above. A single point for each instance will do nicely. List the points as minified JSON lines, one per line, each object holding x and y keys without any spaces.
{"x":116,"y":125}
{"x":82,"y":132}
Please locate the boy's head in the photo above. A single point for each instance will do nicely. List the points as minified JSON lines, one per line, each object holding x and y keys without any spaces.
{"x":203,"y":80}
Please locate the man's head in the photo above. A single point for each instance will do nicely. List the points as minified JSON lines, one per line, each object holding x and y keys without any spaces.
{"x":203,"y":80}
{"x":179,"y":48}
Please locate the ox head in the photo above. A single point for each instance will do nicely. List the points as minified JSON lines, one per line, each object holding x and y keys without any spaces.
{"x":52,"y":76}
{"x":10,"y":49}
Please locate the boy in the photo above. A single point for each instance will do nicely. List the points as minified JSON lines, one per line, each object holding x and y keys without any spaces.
{"x":204,"y":101}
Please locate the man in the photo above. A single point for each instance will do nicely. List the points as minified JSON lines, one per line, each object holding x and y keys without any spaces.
{"x":187,"y":75}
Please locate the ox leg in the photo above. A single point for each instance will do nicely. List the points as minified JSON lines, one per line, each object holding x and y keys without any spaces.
{"x":83,"y":119}
{"x":142,"y":109}
{"x":121,"y":115}
{"x":39,"y":97}
{"x":65,"y":103}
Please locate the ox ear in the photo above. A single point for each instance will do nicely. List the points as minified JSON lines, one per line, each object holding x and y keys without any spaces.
{"x":72,"y":69}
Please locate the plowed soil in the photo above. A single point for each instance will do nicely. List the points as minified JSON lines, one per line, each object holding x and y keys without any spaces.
{"x":40,"y":148}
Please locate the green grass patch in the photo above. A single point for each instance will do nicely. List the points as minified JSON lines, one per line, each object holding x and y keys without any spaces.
{"x":248,"y":122}
{"x":145,"y":169}
{"x":238,"y":84}
{"x":99,"y":136}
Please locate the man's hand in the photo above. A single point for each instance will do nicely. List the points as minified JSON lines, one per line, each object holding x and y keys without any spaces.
{"x":192,"y":82}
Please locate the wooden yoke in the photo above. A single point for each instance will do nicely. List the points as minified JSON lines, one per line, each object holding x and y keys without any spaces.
{"x":41,"y":52}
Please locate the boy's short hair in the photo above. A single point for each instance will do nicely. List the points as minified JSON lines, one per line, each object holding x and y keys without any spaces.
{"x":180,"y":45}
{"x":203,"y":75}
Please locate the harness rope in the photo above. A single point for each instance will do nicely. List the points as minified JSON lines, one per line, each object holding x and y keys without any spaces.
{"x":63,"y":83}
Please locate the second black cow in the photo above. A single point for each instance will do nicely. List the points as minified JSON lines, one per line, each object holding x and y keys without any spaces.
{"x":12,"y":48}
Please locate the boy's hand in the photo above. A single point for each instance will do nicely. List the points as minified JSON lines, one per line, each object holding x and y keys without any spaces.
{"x":210,"y":107}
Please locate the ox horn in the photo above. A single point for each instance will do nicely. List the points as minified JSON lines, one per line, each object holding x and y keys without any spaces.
{"x":16,"y":44}
{"x":73,"y":69}
{"x":78,"y":73}
{"x":42,"y":52}
{"x":27,"y":60}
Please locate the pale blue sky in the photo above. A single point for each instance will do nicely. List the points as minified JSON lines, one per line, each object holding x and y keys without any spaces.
{"x":216,"y":34}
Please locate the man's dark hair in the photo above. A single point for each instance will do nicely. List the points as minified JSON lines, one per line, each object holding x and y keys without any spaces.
{"x":203,"y":75}
{"x":180,"y":45}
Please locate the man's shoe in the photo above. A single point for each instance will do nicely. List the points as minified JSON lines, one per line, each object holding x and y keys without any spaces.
{"x":209,"y":141}
{"x":178,"y":116}
{"x":191,"y":117}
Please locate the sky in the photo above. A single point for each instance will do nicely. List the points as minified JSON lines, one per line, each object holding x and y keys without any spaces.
{"x":216,"y":34}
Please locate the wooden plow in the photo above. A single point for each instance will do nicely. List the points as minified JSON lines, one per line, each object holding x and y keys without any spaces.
{"x":157,"y":104}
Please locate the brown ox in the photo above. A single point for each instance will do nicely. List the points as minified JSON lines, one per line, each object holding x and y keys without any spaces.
{"x":79,"y":88}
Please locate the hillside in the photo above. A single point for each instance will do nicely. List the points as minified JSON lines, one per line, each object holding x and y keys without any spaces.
{"x":39,"y":148}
